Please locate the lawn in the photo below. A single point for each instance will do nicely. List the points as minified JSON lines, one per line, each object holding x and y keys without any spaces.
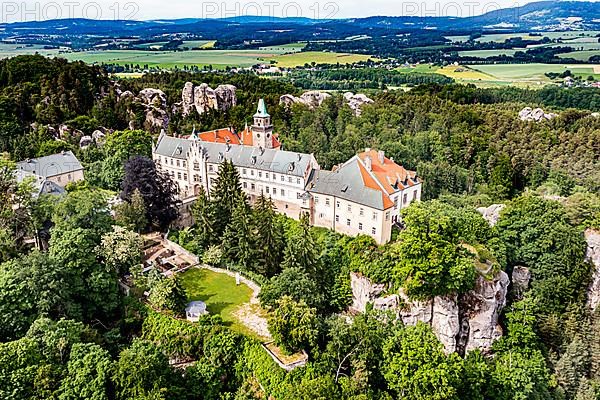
{"x":220,"y":293}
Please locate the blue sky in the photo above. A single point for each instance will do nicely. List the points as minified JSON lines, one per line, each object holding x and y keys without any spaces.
{"x":153,"y":9}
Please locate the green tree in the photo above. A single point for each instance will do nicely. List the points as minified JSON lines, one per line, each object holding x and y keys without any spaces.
{"x":416,"y":366}
{"x":132,"y":214}
{"x":301,"y":251}
{"x":238,"y":241}
{"x":294,"y":325}
{"x":203,"y":214}
{"x":167,"y":294}
{"x":121,"y":249}
{"x":431,"y":259}
{"x":295,"y":283}
{"x":269,"y":237}
{"x":142,"y":372}
{"x":225,"y":194}
{"x":85,"y":209}
{"x":88,"y":374}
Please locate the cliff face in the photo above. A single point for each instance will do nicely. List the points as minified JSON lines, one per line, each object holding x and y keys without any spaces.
{"x":593,"y":256}
{"x":461,"y":323}
{"x":314,"y":98}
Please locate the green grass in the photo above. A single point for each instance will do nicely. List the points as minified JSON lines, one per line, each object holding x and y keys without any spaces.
{"x":287,"y":48}
{"x":220,"y":293}
{"x":488,"y":53}
{"x":583,"y":55}
{"x":308,"y":57}
{"x":530,"y":72}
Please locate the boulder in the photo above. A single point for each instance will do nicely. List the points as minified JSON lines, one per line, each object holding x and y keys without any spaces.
{"x":492,"y":213}
{"x":226,"y":97}
{"x":153,"y":97}
{"x":356,"y":101}
{"x":592,"y":238}
{"x":536,"y":115}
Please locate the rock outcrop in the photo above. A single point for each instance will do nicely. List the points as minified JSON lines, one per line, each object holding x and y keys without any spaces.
{"x":535,"y":114}
{"x":356,"y":101}
{"x":154,"y":102}
{"x":592,"y":238}
{"x":461,"y":323}
{"x":311,"y":99}
{"x":314,"y":99}
{"x":492,"y":213}
{"x":203,"y":98}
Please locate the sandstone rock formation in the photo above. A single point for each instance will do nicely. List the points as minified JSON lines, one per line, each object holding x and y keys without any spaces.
{"x":536,"y":114}
{"x":592,"y":238}
{"x":155,"y":104}
{"x":203,"y":98}
{"x":311,"y":99}
{"x":492,"y":213}
{"x":462,"y":324}
{"x":356,"y":101}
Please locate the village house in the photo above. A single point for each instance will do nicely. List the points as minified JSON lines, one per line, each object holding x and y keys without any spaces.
{"x":362,"y":196}
{"x":50,"y":174}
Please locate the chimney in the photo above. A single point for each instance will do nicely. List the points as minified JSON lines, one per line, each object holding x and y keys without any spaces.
{"x":369,"y":163}
{"x":381,"y":156}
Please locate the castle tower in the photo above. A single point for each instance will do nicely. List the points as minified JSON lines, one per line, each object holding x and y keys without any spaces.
{"x":262,"y":129}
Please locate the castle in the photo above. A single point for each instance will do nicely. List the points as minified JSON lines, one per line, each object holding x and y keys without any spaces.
{"x":361,"y":196}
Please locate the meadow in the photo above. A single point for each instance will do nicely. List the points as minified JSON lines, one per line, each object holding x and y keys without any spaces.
{"x":308,"y":57}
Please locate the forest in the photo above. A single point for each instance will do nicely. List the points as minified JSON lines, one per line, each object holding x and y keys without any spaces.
{"x":68,"y":332}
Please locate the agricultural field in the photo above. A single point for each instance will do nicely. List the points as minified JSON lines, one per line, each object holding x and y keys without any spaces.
{"x":300,"y":59}
{"x":287,"y":48}
{"x":489,"y":53}
{"x":11,"y":50}
{"x":501,"y":37}
{"x":533,"y":73}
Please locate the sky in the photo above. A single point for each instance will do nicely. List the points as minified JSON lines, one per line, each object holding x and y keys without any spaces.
{"x":28,"y":10}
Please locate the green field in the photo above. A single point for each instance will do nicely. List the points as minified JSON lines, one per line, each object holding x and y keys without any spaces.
{"x":300,"y":59}
{"x":220,"y":293}
{"x":11,"y":50}
{"x":488,"y":53}
{"x":583,"y":55}
{"x":501,"y":37}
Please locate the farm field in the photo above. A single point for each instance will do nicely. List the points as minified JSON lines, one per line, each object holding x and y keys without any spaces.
{"x":488,"y":53}
{"x":530,"y":72}
{"x":219,"y":59}
{"x":11,"y":50}
{"x":300,"y":59}
{"x":501,"y":37}
{"x":582,"y":55}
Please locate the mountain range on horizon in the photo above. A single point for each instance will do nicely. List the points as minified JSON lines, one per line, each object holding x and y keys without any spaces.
{"x":537,"y":16}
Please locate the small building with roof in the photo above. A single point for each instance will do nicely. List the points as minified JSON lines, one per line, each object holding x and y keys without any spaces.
{"x":60,"y":169}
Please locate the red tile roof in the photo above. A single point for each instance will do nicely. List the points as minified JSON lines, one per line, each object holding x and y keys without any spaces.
{"x":391,"y":176}
{"x":369,"y":181}
{"x":226,"y":135}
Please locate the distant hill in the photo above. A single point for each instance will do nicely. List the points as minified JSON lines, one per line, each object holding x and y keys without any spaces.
{"x":544,"y":15}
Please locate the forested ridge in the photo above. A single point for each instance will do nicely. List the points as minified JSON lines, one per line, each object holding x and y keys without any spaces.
{"x":68,"y":332}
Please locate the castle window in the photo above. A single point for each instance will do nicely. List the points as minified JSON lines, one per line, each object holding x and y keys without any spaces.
{"x":196,"y":166}
{"x":183,"y":163}
{"x":362,"y":211}
{"x":415,"y":195}
{"x":348,"y":222}
{"x":210,"y":168}
{"x":405,"y":198}
{"x":259,"y":174}
{"x":349,"y":208}
{"x":387,"y":216}
{"x":298,"y":181}
{"x":290,"y":179}
{"x":252,"y":187}
{"x":282,"y":192}
{"x":245,"y":185}
{"x":360,"y":226}
{"x":282,"y":178}
{"x":267,"y":189}
{"x":267,"y":175}
{"x":337,"y":204}
{"x":321,"y":215}
{"x":337,"y":218}
{"x":274,"y":177}
{"x":179,"y":175}
{"x":374,"y":216}
{"x":327,"y":202}
{"x":244,"y":171}
{"x":396,"y":203}
{"x":178,"y":164}
{"x":252,"y":172}
{"x":185,"y":177}
{"x":374,"y":231}
{"x":316,"y":200}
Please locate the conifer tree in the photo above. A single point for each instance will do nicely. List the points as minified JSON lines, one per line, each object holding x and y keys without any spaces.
{"x":301,"y":251}
{"x":269,"y":237}
{"x":204,"y":220}
{"x":226,"y":191}
{"x":238,"y":243}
